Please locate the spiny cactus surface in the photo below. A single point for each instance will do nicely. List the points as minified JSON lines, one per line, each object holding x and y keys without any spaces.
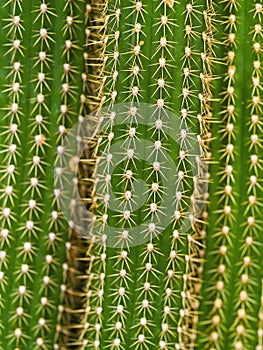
{"x":155,"y":106}
{"x":200,"y":61}
{"x":231,"y":311}
{"x":41,"y":84}
{"x":171,"y":86}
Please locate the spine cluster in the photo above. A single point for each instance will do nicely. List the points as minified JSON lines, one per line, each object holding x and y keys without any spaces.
{"x":72,"y":110}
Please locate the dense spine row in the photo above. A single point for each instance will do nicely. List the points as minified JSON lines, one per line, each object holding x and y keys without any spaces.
{"x":11,"y":140}
{"x":40,"y":133}
{"x":188,"y":111}
{"x":232,"y":297}
{"x":72,"y":111}
{"x":97,"y":24}
{"x":248,"y":286}
{"x":205,"y":118}
{"x":223,"y":236}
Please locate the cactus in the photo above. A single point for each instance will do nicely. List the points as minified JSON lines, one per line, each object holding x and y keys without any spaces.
{"x":231,"y":310}
{"x":41,"y":81}
{"x":154,"y":92}
{"x":200,"y":61}
{"x":160,"y":260}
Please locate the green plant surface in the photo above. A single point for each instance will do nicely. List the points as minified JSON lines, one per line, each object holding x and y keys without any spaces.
{"x":41,"y":85}
{"x":202,"y":61}
{"x":169,"y":263}
{"x":144,"y":296}
{"x":230,"y":313}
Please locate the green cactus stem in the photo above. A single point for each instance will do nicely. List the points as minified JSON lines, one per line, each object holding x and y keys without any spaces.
{"x":202,"y":61}
{"x":166,"y":262}
{"x":231,"y":306}
{"x":144,"y":296}
{"x":41,"y":84}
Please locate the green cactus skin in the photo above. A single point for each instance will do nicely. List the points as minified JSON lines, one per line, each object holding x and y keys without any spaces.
{"x":200,"y":60}
{"x":231,"y":308}
{"x":41,"y":84}
{"x":145,"y":297}
{"x":212,"y":73}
